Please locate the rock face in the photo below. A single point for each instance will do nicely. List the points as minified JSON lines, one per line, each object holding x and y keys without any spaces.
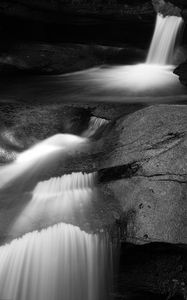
{"x":91,"y":22}
{"x":152,"y":271}
{"x":181,"y":71}
{"x":142,"y":176}
{"x":46,"y":10}
{"x":166,"y":8}
{"x":43,"y":58}
{"x":153,"y":142}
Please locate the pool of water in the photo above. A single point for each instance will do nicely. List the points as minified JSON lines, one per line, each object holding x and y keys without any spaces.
{"x":134,"y":83}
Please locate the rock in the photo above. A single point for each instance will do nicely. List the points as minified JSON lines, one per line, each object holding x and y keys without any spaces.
{"x":43,"y":58}
{"x":95,"y":22}
{"x":184,"y":15}
{"x":152,"y":271}
{"x":180,"y":3}
{"x":181,"y":71}
{"x":166,"y":8}
{"x":153,"y":143}
{"x":51,"y":11}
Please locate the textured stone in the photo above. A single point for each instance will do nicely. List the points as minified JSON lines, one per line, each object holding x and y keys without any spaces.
{"x":166,"y":8}
{"x":181,"y":71}
{"x":154,"y":197}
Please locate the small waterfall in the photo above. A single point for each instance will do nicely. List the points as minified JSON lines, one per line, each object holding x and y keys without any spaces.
{"x":60,"y":262}
{"x":164,"y":39}
{"x":94,"y":124}
{"x":59,"y":199}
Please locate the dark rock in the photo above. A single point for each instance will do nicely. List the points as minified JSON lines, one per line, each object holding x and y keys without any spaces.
{"x":166,"y":8}
{"x":153,"y":271}
{"x":181,"y":71}
{"x":180,"y":3}
{"x":46,"y":10}
{"x":40,"y":58}
{"x":94,"y":22}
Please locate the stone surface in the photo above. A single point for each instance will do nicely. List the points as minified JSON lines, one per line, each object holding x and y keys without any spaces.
{"x":150,"y":272}
{"x":181,"y":71}
{"x":166,"y":8}
{"x":24,"y":124}
{"x":154,"y":197}
{"x":94,"y":22}
{"x":45,"y":9}
{"x":43,"y":58}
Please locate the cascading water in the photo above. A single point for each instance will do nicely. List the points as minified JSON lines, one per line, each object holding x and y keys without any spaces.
{"x":38,"y":155}
{"x":164,"y":40}
{"x":94,"y":124}
{"x":60,"y":262}
{"x":59,"y":199}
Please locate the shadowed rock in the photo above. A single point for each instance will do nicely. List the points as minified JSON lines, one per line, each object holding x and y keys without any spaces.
{"x":181,"y":71}
{"x":166,"y":8}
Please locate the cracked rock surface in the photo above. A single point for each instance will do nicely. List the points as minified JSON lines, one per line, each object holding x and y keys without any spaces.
{"x":153,"y":197}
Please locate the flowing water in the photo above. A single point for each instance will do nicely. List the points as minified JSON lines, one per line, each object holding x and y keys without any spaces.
{"x":31,"y":160}
{"x":59,"y":199}
{"x":164,"y":40}
{"x":94,"y":124}
{"x":60,"y":262}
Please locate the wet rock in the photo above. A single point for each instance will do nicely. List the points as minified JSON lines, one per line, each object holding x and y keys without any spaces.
{"x":166,"y":8}
{"x":181,"y":71}
{"x":27,"y":124}
{"x":152,"y":271}
{"x":180,"y":3}
{"x":95,"y":22}
{"x":41,"y":58}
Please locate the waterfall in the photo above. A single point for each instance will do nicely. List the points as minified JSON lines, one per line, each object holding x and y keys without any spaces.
{"x":59,"y":199}
{"x":164,"y":39}
{"x":94,"y":124}
{"x":60,"y":262}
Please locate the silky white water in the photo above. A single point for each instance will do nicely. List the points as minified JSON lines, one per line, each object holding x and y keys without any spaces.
{"x":38,"y":155}
{"x":60,"y":262}
{"x":154,"y":78}
{"x":59,"y":199}
{"x":94,"y":124}
{"x":164,"y":40}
